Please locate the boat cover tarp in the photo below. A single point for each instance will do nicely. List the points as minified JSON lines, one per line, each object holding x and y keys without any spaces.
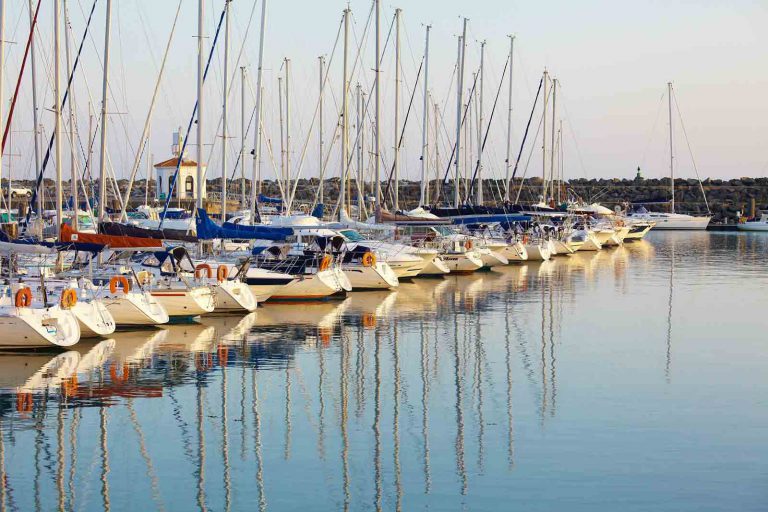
{"x":112,"y":241}
{"x":209,"y":230}
{"x":269,"y":200}
{"x":35,"y":246}
{"x":117,"y":229}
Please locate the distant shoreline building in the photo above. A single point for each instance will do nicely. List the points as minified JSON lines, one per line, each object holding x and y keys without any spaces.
{"x":186,"y":184}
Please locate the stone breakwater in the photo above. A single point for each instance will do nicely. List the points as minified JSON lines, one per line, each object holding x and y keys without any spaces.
{"x":725,"y":197}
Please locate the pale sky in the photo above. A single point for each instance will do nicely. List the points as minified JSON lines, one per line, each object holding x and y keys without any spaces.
{"x":613,"y":60}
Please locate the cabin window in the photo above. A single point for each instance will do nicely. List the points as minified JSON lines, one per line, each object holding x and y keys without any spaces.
{"x":189,"y":185}
{"x":167,"y":266}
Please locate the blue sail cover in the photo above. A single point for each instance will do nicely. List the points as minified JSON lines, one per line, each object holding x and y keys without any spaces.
{"x":269,"y":200}
{"x":209,"y":230}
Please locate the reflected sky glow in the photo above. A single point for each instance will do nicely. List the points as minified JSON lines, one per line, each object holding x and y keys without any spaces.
{"x":630,"y":376}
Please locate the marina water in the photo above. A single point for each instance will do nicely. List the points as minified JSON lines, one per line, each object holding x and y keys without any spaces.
{"x":629,"y":379}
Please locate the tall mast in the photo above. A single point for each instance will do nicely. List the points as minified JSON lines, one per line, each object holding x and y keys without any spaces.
{"x":363,"y":213}
{"x":459,"y":104}
{"x":148,"y":158}
{"x":377,"y":101}
{"x":288,"y":131}
{"x":344,"y":114}
{"x":437,"y":146}
{"x":560,"y":164}
{"x":243,"y":204}
{"x":360,"y":145}
{"x":70,"y":108}
{"x":33,"y":72}
{"x":479,"y":191}
{"x":554,"y":133}
{"x":225,"y":108}
{"x":91,"y":142}
{"x":57,"y":111}
{"x":257,"y":130}
{"x":281,"y":122}
{"x":423,"y":199}
{"x":671,"y":149}
{"x":397,"y":110}
{"x":507,"y":160}
{"x":200,"y":115}
{"x":321,"y":62}
{"x":2,"y":101}
{"x":544,"y":183}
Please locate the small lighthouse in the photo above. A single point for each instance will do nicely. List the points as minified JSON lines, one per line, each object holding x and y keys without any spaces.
{"x":186,"y":184}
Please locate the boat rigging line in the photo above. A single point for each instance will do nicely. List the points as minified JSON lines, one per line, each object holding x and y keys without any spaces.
{"x":191,"y":122}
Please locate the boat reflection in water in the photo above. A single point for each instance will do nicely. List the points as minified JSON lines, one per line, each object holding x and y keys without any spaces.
{"x":406,"y":399}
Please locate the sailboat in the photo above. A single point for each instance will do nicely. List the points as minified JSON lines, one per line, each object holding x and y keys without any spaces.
{"x":25,"y":325}
{"x":672,"y":220}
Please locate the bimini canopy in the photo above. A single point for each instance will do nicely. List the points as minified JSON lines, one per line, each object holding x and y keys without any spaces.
{"x":171,"y":261}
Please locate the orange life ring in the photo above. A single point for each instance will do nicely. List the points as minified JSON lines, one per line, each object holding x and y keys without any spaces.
{"x":23,"y":298}
{"x":525,"y":239}
{"x":369,"y":259}
{"x":325,"y":263}
{"x":68,"y":298}
{"x":199,"y":270}
{"x":119,"y":281}
{"x":119,"y":377}
{"x":468,"y":245}
{"x":222,"y":273}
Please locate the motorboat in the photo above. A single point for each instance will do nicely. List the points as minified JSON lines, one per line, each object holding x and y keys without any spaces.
{"x":760,"y":224}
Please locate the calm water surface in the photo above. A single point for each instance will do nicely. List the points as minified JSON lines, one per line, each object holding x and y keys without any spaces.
{"x":630,"y":379}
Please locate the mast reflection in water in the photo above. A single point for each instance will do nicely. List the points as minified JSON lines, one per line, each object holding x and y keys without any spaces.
{"x":539,"y":384}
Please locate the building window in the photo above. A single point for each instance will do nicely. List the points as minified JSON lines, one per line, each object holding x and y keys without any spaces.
{"x":189,"y":186}
{"x":170,"y":184}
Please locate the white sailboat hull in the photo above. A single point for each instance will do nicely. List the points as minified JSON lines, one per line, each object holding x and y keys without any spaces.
{"x":591,"y":243}
{"x":562,"y":248}
{"x":462,"y":263}
{"x":234,"y":296}
{"x":537,"y":252}
{"x":492,"y":259}
{"x":93,"y":318}
{"x":37,"y":327}
{"x":436,"y":267}
{"x":406,"y":269}
{"x":376,"y":277}
{"x":186,"y":302}
{"x":515,"y":252}
{"x":318,"y":286}
{"x":677,"y":221}
{"x":753,"y":226}
{"x":135,"y":309}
